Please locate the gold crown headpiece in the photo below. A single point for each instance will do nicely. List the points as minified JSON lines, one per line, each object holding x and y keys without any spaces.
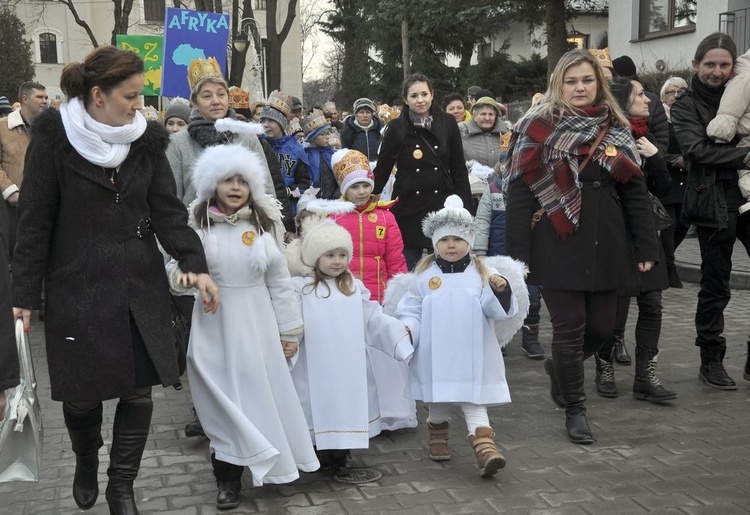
{"x":201,"y":69}
{"x":294,"y":127}
{"x":350,"y":161}
{"x":279,"y":101}
{"x":313,"y":121}
{"x":239,"y":98}
{"x":602,"y":56}
{"x":329,"y":106}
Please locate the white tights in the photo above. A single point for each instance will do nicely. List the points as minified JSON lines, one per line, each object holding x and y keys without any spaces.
{"x":474,"y":414}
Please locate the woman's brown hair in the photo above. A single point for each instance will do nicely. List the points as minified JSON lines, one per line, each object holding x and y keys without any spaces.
{"x":105,"y":67}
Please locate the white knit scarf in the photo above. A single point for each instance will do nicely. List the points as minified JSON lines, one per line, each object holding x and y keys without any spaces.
{"x":99,"y":143}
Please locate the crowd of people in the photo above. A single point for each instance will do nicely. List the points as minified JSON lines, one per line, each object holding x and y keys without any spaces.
{"x":346,"y":268}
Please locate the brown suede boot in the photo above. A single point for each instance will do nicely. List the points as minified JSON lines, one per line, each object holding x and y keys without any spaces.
{"x":439,"y":450}
{"x":488,"y":457}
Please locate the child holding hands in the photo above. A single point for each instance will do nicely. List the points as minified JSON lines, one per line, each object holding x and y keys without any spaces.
{"x":450,"y":306}
{"x":332,"y":374}
{"x":240,"y":381}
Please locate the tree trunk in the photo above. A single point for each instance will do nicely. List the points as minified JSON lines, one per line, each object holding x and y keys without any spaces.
{"x":557,"y":34}
{"x":81,"y":23}
{"x":276,"y":40}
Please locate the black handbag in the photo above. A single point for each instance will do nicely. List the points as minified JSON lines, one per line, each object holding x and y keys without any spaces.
{"x":181,"y":331}
{"x":661,"y":217}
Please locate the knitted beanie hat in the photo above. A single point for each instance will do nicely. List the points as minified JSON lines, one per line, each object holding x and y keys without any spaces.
{"x":5,"y":106}
{"x":277,"y":109}
{"x":351,"y":167}
{"x":620,"y":87}
{"x":179,"y":108}
{"x":324,"y":237}
{"x":363,"y":103}
{"x":625,"y":67}
{"x":452,"y":220}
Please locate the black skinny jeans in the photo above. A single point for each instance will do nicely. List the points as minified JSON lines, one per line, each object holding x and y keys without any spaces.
{"x":648,"y":326}
{"x":581,"y":321}
{"x":716,"y":265}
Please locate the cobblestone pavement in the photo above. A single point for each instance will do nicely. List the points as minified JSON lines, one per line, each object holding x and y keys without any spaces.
{"x":689,"y":457}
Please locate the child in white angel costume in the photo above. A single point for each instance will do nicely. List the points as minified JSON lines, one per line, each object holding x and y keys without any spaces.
{"x":332,"y":373}
{"x":453,"y":301}
{"x":239,"y":377}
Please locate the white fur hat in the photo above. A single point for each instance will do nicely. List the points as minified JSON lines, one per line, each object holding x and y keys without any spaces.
{"x":452,"y":220}
{"x":220,"y":162}
{"x":327,"y":235}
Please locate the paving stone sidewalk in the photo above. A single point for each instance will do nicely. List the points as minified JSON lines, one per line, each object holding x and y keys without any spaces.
{"x":689,"y":457}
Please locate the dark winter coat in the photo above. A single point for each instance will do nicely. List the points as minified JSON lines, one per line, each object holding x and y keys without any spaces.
{"x":708,"y":163}
{"x":658,"y":123}
{"x":616,"y":231}
{"x":87,"y":241}
{"x":421,"y":186}
{"x":8,"y":352}
{"x":366,"y":141}
{"x":678,"y":175}
{"x":658,"y":183}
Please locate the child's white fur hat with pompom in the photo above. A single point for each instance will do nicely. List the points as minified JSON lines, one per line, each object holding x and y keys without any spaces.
{"x":221,"y":162}
{"x":452,"y":220}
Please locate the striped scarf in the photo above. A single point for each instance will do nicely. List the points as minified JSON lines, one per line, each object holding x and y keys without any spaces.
{"x":546,"y":153}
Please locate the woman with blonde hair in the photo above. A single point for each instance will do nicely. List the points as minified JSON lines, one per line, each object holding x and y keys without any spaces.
{"x":579,"y":216}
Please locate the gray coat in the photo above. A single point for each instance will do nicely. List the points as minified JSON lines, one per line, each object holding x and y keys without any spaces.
{"x":481,"y":146}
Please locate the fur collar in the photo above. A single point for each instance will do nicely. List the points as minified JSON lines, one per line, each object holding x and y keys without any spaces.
{"x":48,"y":125}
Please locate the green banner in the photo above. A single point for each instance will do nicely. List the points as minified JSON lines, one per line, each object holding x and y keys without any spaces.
{"x":151,"y":50}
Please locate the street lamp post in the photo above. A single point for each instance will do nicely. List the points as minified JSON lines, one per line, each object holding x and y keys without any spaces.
{"x":247,"y":27}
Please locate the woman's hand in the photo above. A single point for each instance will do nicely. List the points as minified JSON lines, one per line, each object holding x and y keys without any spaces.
{"x":186,"y":279}
{"x":645,"y":266}
{"x":498,"y":283}
{"x":209,"y":292}
{"x":290,"y":348}
{"x":645,"y":147}
{"x":23,"y":314}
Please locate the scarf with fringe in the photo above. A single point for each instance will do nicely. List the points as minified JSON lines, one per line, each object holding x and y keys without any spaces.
{"x":546,"y":153}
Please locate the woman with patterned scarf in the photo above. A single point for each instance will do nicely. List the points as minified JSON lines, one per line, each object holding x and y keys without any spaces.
{"x":575,"y":170}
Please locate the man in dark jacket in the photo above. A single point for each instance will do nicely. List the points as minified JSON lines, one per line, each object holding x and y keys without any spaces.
{"x":712,"y":198}
{"x":361,"y":130}
{"x":9,"y":373}
{"x":658,"y":125}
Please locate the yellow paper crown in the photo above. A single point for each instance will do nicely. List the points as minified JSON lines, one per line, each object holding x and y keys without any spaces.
{"x":294,"y":127}
{"x":201,"y":69}
{"x":329,"y":107}
{"x":350,"y":162}
{"x":505,"y":141}
{"x":239,"y":98}
{"x":602,"y":56}
{"x":279,"y":101}
{"x":313,"y":121}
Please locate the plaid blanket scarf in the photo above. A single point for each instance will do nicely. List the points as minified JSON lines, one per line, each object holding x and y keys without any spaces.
{"x":546,"y":154}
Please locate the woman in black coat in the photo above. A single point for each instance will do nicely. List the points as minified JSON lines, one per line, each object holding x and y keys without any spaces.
{"x":646,"y":386}
{"x":597,"y":229}
{"x":9,"y":367}
{"x":97,"y":189}
{"x":425,"y":145}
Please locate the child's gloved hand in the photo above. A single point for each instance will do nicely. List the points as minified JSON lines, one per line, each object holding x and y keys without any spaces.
{"x":290,"y":348}
{"x":498,"y":283}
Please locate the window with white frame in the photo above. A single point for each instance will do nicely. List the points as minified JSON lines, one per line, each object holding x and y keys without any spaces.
{"x":153,"y":11}
{"x":662,"y":17}
{"x":47,"y":48}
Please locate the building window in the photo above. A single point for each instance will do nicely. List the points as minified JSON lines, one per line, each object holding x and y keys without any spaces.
{"x":153,"y":11}
{"x":47,"y":48}
{"x":660,"y":17}
{"x":260,"y":4}
{"x":578,"y":40}
{"x":484,"y":50}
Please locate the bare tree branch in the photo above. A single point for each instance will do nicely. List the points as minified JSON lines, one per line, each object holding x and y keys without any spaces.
{"x":79,"y":21}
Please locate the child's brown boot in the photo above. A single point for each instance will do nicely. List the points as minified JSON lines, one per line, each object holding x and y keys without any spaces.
{"x":488,"y":457}
{"x":439,"y":450}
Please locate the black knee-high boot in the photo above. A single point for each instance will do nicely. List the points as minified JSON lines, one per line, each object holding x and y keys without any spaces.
{"x":569,"y":375}
{"x":85,"y":431}
{"x":129,"y":435}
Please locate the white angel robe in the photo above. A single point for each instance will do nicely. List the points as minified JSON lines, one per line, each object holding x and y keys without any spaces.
{"x":457,"y":357}
{"x":239,"y":378}
{"x":332,"y":374}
